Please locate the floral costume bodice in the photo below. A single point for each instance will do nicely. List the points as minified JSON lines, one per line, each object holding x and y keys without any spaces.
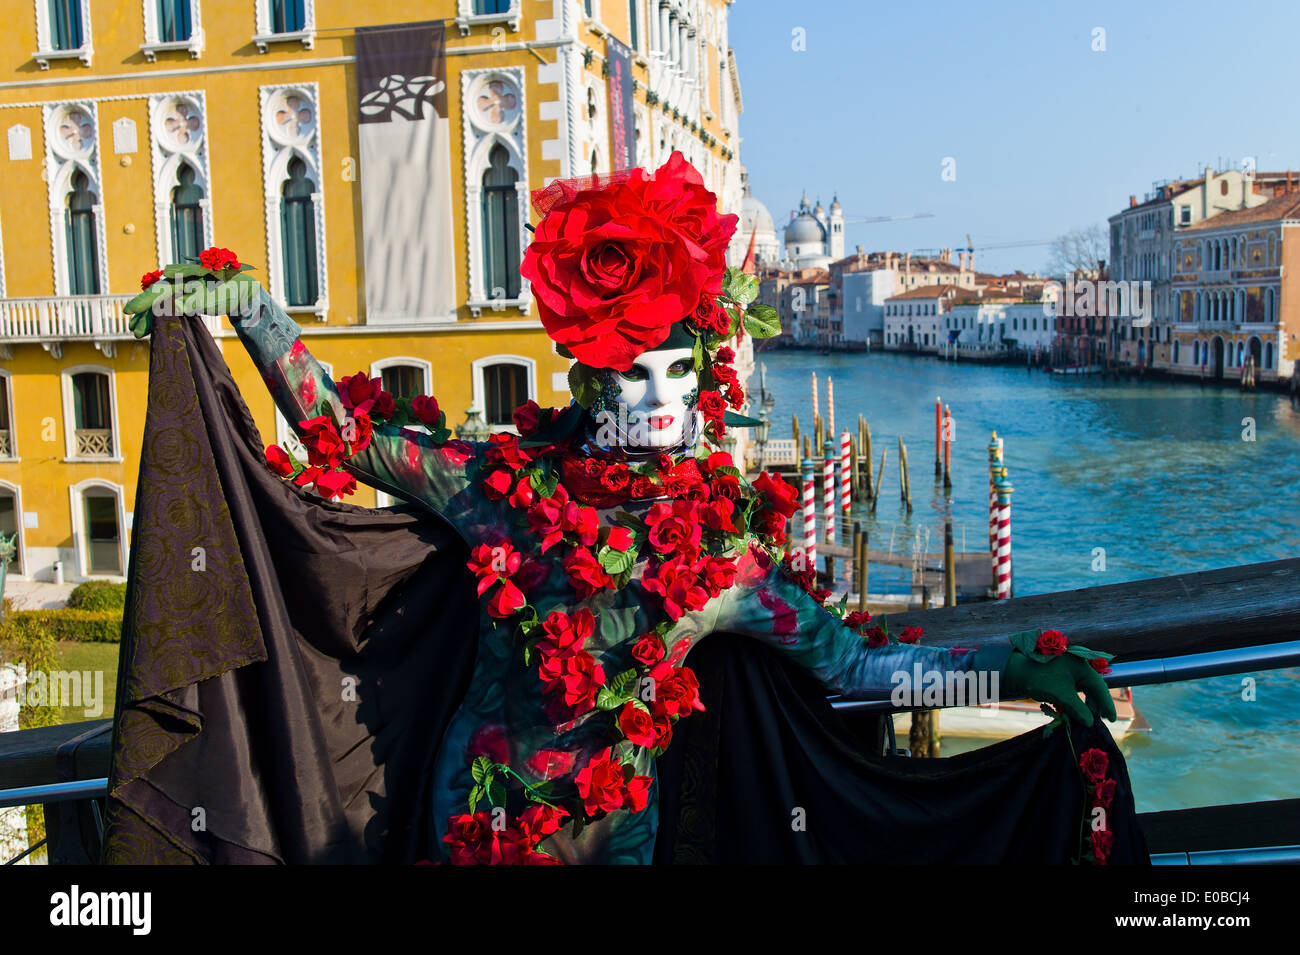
{"x":582,"y":627}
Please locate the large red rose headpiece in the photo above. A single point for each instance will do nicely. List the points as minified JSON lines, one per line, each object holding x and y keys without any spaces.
{"x":617,"y":259}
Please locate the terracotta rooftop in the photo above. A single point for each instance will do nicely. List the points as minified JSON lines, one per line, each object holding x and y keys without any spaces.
{"x":1281,"y":207}
{"x":926,"y":291}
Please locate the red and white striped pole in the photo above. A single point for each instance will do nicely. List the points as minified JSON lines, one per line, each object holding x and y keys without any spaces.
{"x":809,"y":515}
{"x":830,"y":407}
{"x":995,"y":463}
{"x":846,"y":473}
{"x":1004,"y":537}
{"x":828,"y":491}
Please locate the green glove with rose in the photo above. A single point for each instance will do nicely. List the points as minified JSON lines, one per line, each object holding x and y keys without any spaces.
{"x":1044,"y":667}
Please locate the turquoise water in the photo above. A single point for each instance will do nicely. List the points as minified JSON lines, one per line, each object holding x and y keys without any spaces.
{"x":1155,"y":473}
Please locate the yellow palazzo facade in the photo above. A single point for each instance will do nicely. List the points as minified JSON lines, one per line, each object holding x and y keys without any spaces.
{"x":137,"y":133}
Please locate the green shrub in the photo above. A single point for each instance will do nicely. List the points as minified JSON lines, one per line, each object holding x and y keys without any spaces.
{"x":88,"y":626}
{"x":36,"y":649}
{"x":98,"y":595}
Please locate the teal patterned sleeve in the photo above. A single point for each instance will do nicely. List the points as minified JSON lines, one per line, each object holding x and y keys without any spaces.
{"x":765,"y":603}
{"x":405,"y":463}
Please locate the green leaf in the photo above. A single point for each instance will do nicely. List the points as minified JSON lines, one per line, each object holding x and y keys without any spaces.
{"x":475,"y":795}
{"x":624,"y":682}
{"x":584,"y":384}
{"x":480,"y":768}
{"x":762,"y":321}
{"x":697,"y":354}
{"x":740,"y":286}
{"x":616,"y":561}
{"x":607,"y":699}
{"x":496,"y":791}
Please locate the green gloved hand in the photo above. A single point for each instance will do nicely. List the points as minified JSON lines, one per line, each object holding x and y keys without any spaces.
{"x":192,"y":290}
{"x":1059,"y":682}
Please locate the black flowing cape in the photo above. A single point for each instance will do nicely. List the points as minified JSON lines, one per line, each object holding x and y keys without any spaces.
{"x":288,"y":666}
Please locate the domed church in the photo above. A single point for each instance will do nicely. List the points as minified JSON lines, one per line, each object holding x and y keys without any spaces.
{"x":815,"y":239}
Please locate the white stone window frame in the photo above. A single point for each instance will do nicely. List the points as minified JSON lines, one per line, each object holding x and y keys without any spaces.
{"x":12,"y":457}
{"x":45,"y":51}
{"x":383,"y":498}
{"x":152,"y":45}
{"x":60,"y":169}
{"x":276,"y":156}
{"x":285,"y":436}
{"x":478,"y":369}
{"x":70,"y":419}
{"x":76,"y":494}
{"x":265,"y":37}
{"x":466,"y":18}
{"x":166,"y":169}
{"x":18,"y":568}
{"x":479,"y":139}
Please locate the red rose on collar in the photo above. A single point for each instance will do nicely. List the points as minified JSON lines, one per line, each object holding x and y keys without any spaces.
{"x":613,"y":267}
{"x":674,"y":528}
{"x":615,"y":477}
{"x":1094,"y":762}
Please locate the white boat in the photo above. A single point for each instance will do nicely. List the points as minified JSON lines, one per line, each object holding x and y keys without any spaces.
{"x":1005,"y":720}
{"x":1077,"y":370}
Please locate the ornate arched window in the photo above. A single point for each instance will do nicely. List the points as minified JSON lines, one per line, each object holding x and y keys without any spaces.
{"x":500,"y":226}
{"x":187,"y":216}
{"x":81,"y":237}
{"x":298,"y":236}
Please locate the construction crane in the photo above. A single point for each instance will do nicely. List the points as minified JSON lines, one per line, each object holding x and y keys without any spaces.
{"x":971,"y":247}
{"x":864,"y":220}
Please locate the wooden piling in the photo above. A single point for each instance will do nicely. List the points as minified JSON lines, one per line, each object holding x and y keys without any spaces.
{"x":807,"y":446}
{"x":949,"y":567}
{"x":860,"y":568}
{"x":938,"y":438}
{"x":906,"y":489}
{"x":875,"y":494}
{"x":794,"y":431}
{"x":866,"y":457}
{"x":819,"y":432}
{"x":855,"y":480}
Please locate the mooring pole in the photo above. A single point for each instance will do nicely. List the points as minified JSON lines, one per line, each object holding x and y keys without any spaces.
{"x":809,"y":514}
{"x":794,"y":431}
{"x":875,"y":494}
{"x":860,"y":566}
{"x":866,"y":459}
{"x":938,"y":438}
{"x":846,"y":473}
{"x":907,"y":480}
{"x":828,"y":491}
{"x":947,"y":448}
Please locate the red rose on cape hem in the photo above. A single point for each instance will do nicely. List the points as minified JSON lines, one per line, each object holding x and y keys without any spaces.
{"x":613,"y":267}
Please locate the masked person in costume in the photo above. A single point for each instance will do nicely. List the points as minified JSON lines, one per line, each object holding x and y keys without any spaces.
{"x":606,"y":538}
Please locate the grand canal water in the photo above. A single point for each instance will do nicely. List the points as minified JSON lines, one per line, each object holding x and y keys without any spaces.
{"x":1157,"y":474}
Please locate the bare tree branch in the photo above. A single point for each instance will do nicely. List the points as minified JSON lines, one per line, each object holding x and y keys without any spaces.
{"x":1080,"y":248}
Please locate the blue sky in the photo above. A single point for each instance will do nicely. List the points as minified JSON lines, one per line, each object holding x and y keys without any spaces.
{"x":1047,"y":134}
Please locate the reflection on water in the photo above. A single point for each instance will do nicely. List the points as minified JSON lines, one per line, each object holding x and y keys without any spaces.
{"x":1156,"y":478}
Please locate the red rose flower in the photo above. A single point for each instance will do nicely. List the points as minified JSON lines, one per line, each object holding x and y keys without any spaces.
{"x":324,"y":444}
{"x":360,"y":392}
{"x":735,"y":396}
{"x":876,"y":637}
{"x":523,"y":495}
{"x":636,"y":793}
{"x":616,"y":477}
{"x":497,"y":484}
{"x":1102,"y":843}
{"x":619,"y":538}
{"x":724,"y":374}
{"x":678,"y":694}
{"x":725,"y":355}
{"x":541,"y":820}
{"x":1100,"y":664}
{"x":663,"y":732}
{"x":856,"y":619}
{"x":725,"y":485}
{"x":527,"y":417}
{"x":1094,"y":763}
{"x":566,"y":633}
{"x":642,"y":487}
{"x":425,"y":409}
{"x":506,"y":601}
{"x":575,"y":677}
{"x":717,"y":515}
{"x":585,"y":573}
{"x":216,"y":259}
{"x":1104,"y":793}
{"x":674,"y":528}
{"x":772,"y":525}
{"x":465,"y":833}
{"x":546,"y":518}
{"x":149,"y":278}
{"x":684,"y":480}
{"x":712,"y":405}
{"x":648,"y":649}
{"x":613,"y":267}
{"x":1051,"y":643}
{"x":677,"y":584}
{"x":336,"y":484}
{"x":278,"y":459}
{"x":777,"y":494}
{"x":582,"y":522}
{"x":489,"y":562}
{"x":600,"y":784}
{"x":637,"y":725}
{"x":504,"y":449}
{"x":717,"y":574}
{"x":910,"y":635}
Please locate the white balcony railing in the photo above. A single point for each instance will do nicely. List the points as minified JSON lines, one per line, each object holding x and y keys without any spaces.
{"x":62,"y":317}
{"x":94,"y":442}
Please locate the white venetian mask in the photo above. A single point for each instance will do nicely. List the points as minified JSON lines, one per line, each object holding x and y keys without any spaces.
{"x":652,"y":404}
